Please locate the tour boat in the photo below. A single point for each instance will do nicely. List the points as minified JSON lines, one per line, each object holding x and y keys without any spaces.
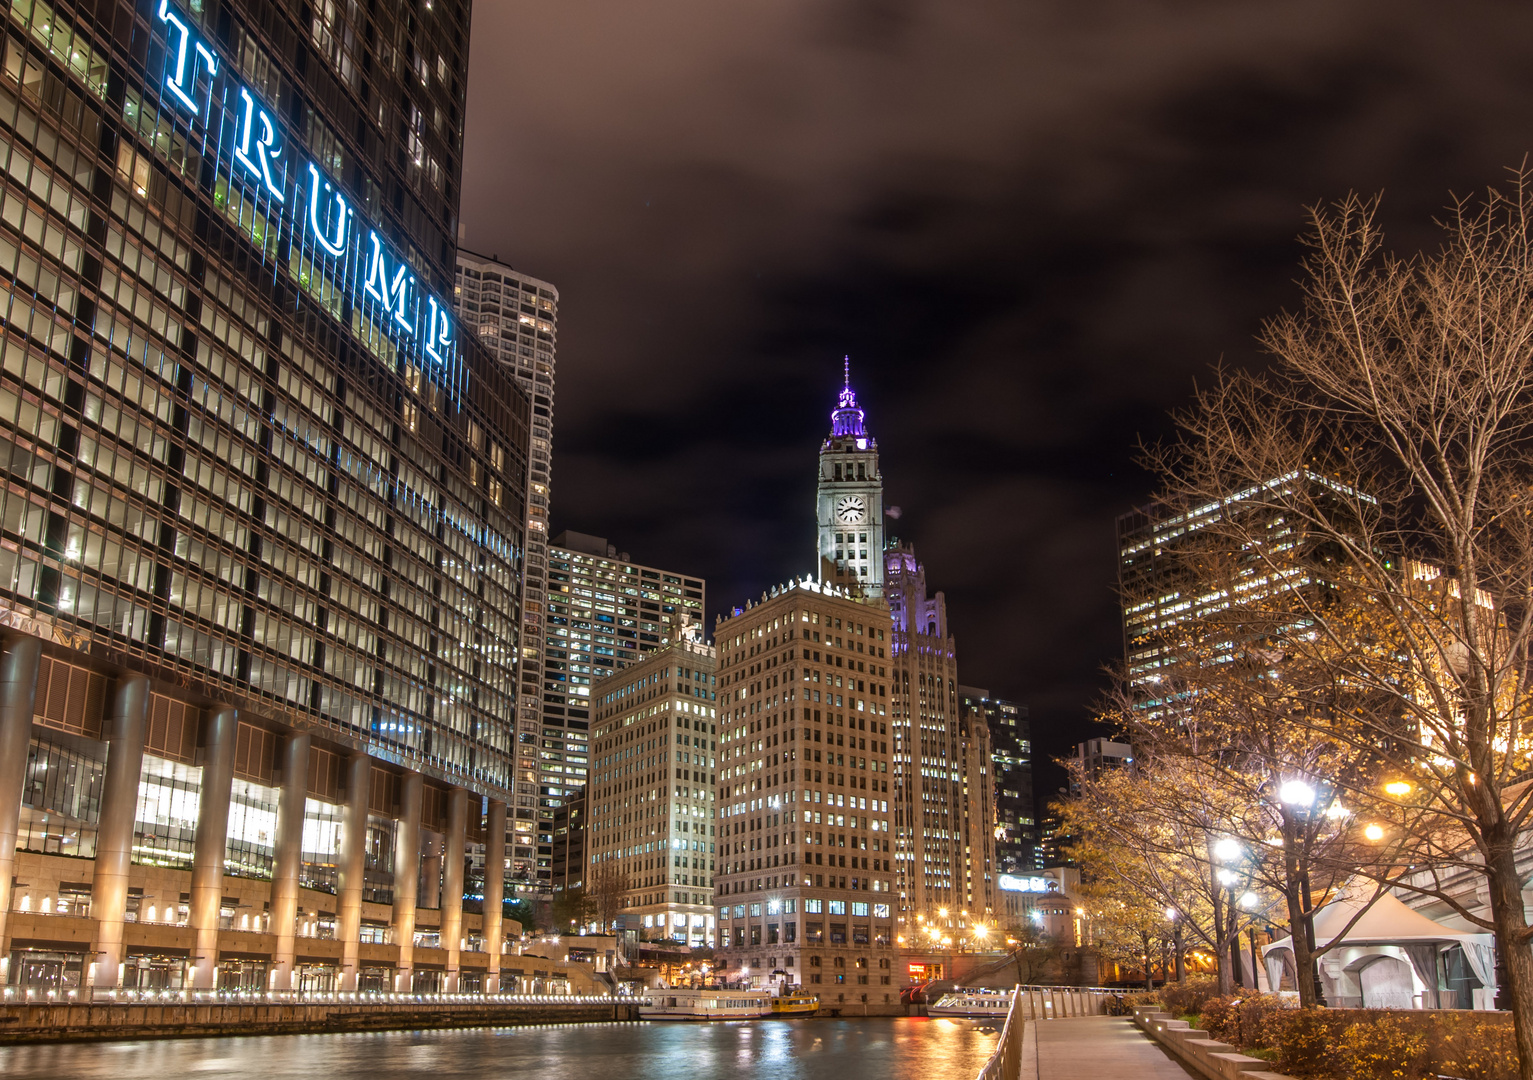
{"x":684,"y":1004}
{"x":976,"y":1002}
{"x":795,"y":1003}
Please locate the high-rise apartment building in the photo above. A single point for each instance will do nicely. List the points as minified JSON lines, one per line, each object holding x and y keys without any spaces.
{"x":849,"y":500}
{"x":654,"y":752}
{"x":604,"y":613}
{"x":1011,"y":755}
{"x":514,"y":318}
{"x":805,"y":879}
{"x":261,"y":525}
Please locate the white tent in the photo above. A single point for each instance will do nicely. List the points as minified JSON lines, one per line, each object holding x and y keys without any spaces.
{"x":1392,"y":956}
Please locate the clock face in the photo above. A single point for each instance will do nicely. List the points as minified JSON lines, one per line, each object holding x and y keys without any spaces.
{"x":850,"y":509}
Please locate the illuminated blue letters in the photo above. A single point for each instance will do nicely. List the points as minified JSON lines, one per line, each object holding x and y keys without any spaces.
{"x":422,"y":326}
{"x":395,"y":295}
{"x":179,"y":78}
{"x":334,"y":246}
{"x":438,"y":333}
{"x":266,"y":148}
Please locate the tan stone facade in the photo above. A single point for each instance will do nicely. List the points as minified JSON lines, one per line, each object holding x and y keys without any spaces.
{"x":650,"y":826}
{"x":806,"y":880}
{"x":945,"y":870}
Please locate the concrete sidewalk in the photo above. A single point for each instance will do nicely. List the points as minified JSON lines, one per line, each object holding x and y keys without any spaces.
{"x":1094,"y":1048}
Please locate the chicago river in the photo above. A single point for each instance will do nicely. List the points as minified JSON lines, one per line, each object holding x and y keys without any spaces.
{"x":903,"y":1048}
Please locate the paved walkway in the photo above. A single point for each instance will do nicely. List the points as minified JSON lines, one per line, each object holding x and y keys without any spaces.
{"x":1094,"y":1048}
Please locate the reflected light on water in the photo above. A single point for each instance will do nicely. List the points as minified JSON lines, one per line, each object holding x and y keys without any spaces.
{"x":904,"y":1048}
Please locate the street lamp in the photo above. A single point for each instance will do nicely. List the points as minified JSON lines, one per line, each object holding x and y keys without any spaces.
{"x":1301,"y":796}
{"x":1297,"y":793}
{"x":1228,"y":850}
{"x":1173,"y":916}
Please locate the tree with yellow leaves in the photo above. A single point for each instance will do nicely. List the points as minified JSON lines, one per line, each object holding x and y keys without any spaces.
{"x":1393,"y":430}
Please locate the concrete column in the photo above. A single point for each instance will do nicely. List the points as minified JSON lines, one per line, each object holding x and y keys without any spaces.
{"x":431,"y":873}
{"x":19,"y":657}
{"x":289,"y":861}
{"x":407,"y":871}
{"x":211,"y":841}
{"x":353,"y":858}
{"x":452,"y":884}
{"x":114,"y":838}
{"x":494,"y":891}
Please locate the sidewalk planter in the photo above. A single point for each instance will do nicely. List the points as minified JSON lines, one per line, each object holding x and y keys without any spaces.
{"x":1209,"y":1058}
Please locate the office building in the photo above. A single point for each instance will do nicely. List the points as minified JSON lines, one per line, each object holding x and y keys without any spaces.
{"x":514,"y":319}
{"x":925,"y":720}
{"x":1096,"y":756}
{"x":849,"y":500}
{"x":1016,"y":816}
{"x":976,"y":820}
{"x":604,"y":613}
{"x":805,"y":883}
{"x":651,"y":830}
{"x":1179,"y":566}
{"x":1056,"y":842}
{"x":569,"y":834}
{"x":1092,"y":758}
{"x":263,"y":515}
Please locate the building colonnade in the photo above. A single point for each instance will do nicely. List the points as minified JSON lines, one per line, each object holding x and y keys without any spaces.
{"x":205,"y":932}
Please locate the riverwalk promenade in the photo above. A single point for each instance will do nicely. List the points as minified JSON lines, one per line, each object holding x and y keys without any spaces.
{"x":1093,"y":1048}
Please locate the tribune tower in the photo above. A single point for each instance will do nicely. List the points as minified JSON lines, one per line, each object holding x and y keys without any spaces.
{"x":850,"y":500}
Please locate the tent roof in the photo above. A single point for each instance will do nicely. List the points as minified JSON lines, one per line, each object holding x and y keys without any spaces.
{"x":1388,"y":920}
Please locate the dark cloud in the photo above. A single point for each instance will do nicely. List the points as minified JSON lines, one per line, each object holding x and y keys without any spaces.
{"x":1031,"y":224}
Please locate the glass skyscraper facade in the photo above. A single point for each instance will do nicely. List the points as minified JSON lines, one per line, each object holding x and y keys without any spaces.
{"x":1011,"y":755}
{"x":262,"y":519}
{"x":222,"y":461}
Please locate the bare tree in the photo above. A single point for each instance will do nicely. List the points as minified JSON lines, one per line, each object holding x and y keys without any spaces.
{"x":1395,"y":427}
{"x":605,"y":894}
{"x":571,"y":908}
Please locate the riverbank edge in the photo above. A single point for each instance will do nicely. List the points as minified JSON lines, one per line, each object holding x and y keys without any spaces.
{"x":27,"y":1024}
{"x":32,"y":1024}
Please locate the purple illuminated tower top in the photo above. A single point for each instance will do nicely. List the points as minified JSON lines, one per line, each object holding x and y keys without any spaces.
{"x":850,"y":499}
{"x":846,"y":419}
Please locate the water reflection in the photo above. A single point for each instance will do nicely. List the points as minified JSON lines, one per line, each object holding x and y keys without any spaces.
{"x":878,"y":1049}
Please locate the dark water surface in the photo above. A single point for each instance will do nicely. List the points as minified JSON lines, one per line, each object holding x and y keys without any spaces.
{"x":905,"y":1048}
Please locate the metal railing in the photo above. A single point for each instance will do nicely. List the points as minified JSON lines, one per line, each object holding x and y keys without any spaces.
{"x":11,"y":995}
{"x":1058,"y":1002}
{"x":1044,"y":1003}
{"x":1006,"y":1062}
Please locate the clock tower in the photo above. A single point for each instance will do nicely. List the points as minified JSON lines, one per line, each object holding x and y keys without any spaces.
{"x":850,"y":500}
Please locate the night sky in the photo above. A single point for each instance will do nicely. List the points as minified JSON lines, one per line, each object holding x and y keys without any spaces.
{"x":1031,"y":225}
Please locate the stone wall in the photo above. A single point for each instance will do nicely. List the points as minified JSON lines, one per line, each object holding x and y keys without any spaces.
{"x":63,"y":1023}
